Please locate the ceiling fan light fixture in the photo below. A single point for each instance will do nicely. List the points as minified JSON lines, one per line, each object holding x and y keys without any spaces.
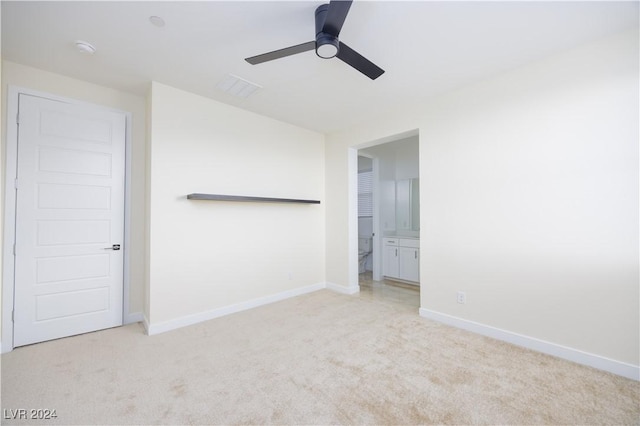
{"x":329,"y":20}
{"x":327,"y":46}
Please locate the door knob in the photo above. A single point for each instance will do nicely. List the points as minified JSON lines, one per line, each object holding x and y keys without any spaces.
{"x":113,"y":247}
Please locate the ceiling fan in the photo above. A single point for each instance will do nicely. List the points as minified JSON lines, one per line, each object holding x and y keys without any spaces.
{"x":329,"y":20}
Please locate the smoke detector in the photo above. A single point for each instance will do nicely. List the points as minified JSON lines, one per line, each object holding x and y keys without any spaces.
{"x":85,"y":47}
{"x":157,"y":21}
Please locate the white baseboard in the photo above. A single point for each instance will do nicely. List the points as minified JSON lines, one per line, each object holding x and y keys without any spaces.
{"x":145,"y":324}
{"x":342,"y":289}
{"x":133,"y":318}
{"x":226,"y":310}
{"x":612,"y":366}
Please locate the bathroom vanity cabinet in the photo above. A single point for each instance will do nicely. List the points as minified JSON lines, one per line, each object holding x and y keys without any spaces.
{"x":401,"y":259}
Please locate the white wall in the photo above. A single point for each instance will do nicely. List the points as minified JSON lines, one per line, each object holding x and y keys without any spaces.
{"x":407,"y":160}
{"x":529,"y":199}
{"x":55,"y":84}
{"x":207,"y":255}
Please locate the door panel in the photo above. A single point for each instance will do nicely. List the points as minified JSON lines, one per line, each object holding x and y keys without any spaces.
{"x":60,"y":305}
{"x":73,"y":232}
{"x":67,"y":268}
{"x":72,"y":196}
{"x":73,"y":161}
{"x":68,"y":125}
{"x":69,"y":214}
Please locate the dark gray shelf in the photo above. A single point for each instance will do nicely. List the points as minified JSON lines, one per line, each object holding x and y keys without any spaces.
{"x":218,"y":197}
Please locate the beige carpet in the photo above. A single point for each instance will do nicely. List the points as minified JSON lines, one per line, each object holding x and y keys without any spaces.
{"x":321,"y":358}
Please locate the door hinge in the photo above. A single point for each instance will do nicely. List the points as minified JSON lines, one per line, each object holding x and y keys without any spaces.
{"x":12,"y":316}
{"x":17,"y":118}
{"x":14,"y":249}
{"x":15,"y":183}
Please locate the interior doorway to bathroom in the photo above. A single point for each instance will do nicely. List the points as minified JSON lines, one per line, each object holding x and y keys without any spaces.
{"x":389,"y":219}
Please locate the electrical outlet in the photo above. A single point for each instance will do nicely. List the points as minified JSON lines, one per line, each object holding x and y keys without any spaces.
{"x":461,"y":297}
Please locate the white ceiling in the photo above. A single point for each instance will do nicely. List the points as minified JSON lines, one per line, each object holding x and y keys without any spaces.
{"x":425,"y":48}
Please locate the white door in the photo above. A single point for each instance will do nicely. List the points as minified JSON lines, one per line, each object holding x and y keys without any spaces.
{"x":69,"y":220}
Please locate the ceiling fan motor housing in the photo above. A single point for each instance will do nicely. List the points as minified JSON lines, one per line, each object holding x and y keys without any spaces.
{"x":327,"y":45}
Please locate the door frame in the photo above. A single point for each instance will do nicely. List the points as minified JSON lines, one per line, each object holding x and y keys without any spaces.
{"x":10,"y":174}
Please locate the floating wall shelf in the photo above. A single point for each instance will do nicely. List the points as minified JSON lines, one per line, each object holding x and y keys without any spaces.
{"x":218,"y":197}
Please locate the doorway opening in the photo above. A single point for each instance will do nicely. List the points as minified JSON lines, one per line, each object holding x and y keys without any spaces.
{"x":388,"y":224}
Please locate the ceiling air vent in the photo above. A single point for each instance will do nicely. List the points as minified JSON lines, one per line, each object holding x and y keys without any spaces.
{"x":237,"y":86}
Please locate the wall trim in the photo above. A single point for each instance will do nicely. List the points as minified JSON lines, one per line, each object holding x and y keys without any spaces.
{"x":353,"y":266}
{"x":9,"y":235}
{"x":342,"y":289}
{"x":173,"y":324}
{"x":145,"y":324}
{"x":619,"y":368}
{"x":133,"y":317}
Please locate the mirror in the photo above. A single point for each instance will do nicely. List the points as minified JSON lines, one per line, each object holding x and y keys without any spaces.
{"x":408,"y":204}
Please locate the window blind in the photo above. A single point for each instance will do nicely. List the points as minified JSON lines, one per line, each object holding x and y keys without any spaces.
{"x":365,"y":194}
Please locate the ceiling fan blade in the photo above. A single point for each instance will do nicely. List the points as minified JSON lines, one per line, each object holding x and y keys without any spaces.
{"x":359,"y":62}
{"x":336,"y":15}
{"x":277,"y":54}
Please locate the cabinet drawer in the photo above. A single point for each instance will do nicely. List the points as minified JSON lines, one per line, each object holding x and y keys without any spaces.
{"x":390,"y":241}
{"x":409,"y":242}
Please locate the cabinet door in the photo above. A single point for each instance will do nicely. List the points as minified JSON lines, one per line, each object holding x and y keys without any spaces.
{"x":390,"y":262}
{"x":409,"y":263}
